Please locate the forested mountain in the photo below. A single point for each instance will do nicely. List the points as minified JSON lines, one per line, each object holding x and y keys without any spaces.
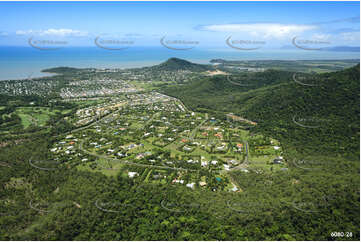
{"x":61,"y":70}
{"x":176,"y":64}
{"x":326,"y":104}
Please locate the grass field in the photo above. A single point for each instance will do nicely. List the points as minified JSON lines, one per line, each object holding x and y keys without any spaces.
{"x":37,"y":116}
{"x":148,"y":86}
{"x":102,"y":164}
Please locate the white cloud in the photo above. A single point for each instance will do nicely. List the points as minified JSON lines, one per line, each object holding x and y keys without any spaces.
{"x":318,"y":36}
{"x":22,"y":32}
{"x":64,"y":32}
{"x":53,"y":32}
{"x":267,"y":30}
{"x":350,"y":36}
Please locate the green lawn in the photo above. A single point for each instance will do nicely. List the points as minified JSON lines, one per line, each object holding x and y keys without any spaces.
{"x":37,"y":116}
{"x":263,"y":162}
{"x":101,"y":164}
{"x":25,"y":119}
{"x":148,"y":86}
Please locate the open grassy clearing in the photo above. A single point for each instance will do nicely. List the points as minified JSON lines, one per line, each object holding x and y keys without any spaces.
{"x":37,"y":116}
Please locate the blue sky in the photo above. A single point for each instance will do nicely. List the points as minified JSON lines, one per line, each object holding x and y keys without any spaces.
{"x":273,"y":24}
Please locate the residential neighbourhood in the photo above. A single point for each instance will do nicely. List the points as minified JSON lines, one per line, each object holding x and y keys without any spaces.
{"x":153,"y":137}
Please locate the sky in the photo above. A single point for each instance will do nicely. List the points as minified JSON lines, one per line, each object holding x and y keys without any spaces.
{"x":180,"y":24}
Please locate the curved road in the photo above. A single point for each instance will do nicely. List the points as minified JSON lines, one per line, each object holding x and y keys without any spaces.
{"x":80,"y":146}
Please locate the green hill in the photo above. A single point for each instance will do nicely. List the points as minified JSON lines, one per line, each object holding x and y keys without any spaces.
{"x":61,"y":70}
{"x":322,"y":117}
{"x":176,"y":64}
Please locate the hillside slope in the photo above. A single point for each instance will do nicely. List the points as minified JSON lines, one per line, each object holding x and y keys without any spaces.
{"x":323,"y":117}
{"x":176,"y":64}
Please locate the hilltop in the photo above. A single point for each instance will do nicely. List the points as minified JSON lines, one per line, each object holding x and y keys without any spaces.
{"x":61,"y":70}
{"x":176,"y":64}
{"x":272,"y":99}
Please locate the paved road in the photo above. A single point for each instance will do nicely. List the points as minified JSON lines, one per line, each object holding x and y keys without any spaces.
{"x":194,"y":131}
{"x":245,"y":163}
{"x":246,"y":160}
{"x":301,"y":83}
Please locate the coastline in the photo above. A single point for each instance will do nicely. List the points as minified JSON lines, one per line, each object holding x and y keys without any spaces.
{"x":17,"y":63}
{"x":31,"y":76}
{"x":36,"y":72}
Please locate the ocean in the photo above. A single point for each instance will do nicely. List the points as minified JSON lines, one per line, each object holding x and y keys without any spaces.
{"x":27,"y":62}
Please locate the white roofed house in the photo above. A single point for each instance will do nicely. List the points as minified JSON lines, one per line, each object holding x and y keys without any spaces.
{"x":202,"y":183}
{"x":277,"y":161}
{"x":132,"y":174}
{"x":233,"y":162}
{"x":190,"y":185}
{"x":234,"y":189}
{"x":120,"y":154}
{"x":220,"y":147}
{"x":178,"y":181}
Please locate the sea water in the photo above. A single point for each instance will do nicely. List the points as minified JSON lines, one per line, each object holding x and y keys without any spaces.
{"x":26,"y":62}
